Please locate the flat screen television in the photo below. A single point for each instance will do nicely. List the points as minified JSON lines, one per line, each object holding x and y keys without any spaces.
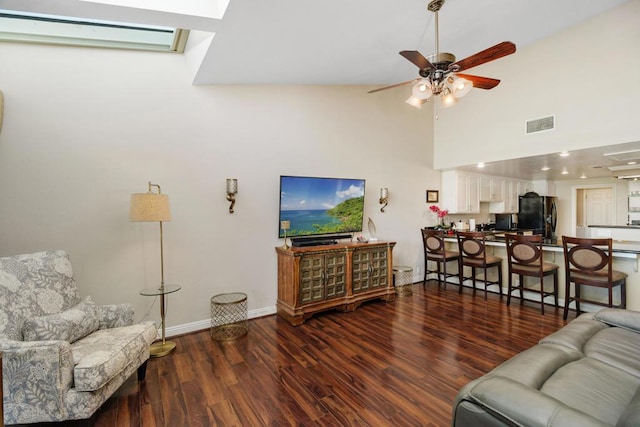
{"x":317,"y":206}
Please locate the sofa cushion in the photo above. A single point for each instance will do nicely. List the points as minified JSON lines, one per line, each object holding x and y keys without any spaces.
{"x":541,"y":362}
{"x":593,"y":387}
{"x":33,"y":285}
{"x":69,"y":325}
{"x":616,"y":347}
{"x":576,"y":334}
{"x":101,"y":356}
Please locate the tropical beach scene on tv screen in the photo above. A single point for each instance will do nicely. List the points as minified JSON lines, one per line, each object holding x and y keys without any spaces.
{"x":321,"y":205}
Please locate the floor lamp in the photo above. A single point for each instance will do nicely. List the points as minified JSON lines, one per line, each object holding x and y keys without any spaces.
{"x":154,"y":207}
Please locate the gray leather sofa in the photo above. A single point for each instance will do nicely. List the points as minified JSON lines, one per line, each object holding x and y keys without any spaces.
{"x":586,"y":374}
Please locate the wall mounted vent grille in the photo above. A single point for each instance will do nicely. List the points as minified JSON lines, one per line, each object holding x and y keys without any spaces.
{"x":541,"y":125}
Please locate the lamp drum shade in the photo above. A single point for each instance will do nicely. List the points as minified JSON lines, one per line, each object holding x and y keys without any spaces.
{"x":149,"y":207}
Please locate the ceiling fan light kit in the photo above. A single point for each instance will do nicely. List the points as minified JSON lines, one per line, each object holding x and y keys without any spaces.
{"x":439,"y":73}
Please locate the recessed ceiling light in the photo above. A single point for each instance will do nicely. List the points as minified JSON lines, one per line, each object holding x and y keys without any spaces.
{"x":632,"y":163}
{"x":583,"y":176}
{"x":564,"y":154}
{"x":545,"y":168}
{"x":480,"y":165}
{"x":564,"y":172}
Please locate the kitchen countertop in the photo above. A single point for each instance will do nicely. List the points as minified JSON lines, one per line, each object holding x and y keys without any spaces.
{"x":621,"y":248}
{"x":632,"y":227}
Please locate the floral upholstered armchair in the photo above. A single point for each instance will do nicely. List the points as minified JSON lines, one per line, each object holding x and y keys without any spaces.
{"x":63,"y":356}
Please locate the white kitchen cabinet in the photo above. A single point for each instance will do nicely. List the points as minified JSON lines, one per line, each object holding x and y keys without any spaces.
{"x":460,"y":192}
{"x":509,"y":204}
{"x":511,"y":199}
{"x":491,"y":188}
{"x":525,"y":187}
{"x":544,"y":188}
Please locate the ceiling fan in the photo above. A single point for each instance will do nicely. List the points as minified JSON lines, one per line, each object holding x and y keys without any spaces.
{"x":440,"y":72}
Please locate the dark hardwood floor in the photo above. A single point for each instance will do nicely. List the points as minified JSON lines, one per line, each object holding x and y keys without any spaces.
{"x":385,"y":364}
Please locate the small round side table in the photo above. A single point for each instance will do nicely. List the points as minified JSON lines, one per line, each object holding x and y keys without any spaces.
{"x":229,"y":316}
{"x":163,"y":347}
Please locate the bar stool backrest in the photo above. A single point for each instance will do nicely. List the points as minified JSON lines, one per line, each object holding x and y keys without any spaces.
{"x":472,"y":244}
{"x":524,"y":249}
{"x":592,"y":256}
{"x":433,"y":241}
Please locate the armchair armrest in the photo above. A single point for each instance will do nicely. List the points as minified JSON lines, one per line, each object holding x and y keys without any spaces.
{"x":36,"y":375}
{"x":115,"y":315}
{"x":516,"y":404}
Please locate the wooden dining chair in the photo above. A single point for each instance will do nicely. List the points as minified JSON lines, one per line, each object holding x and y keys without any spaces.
{"x":589,"y":262}
{"x":525,"y":258}
{"x":473,"y":253}
{"x":434,"y":250}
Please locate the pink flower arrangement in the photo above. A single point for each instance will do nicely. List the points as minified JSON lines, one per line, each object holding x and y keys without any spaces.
{"x":440,"y":212}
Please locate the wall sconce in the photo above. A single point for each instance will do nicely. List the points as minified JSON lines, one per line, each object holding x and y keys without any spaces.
{"x":384,"y":198}
{"x":232,"y":190}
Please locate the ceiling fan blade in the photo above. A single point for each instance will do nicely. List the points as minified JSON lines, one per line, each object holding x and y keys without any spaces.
{"x":395,"y":85}
{"x":417,"y":58}
{"x":480,"y":82}
{"x":490,"y":54}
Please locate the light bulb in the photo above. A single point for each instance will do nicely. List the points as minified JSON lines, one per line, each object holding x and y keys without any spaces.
{"x":448,"y":100}
{"x":460,"y":87}
{"x":422,"y":89}
{"x":414,"y":101}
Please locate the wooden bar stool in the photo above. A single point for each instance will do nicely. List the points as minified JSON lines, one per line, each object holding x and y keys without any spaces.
{"x":524,"y":255}
{"x":434,"y":250}
{"x":473,"y":253}
{"x":589,"y":262}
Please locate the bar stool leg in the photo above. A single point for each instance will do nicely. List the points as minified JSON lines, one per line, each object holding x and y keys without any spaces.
{"x":486,"y":283}
{"x":542,"y":295}
{"x":473,"y":279}
{"x":567,"y":299}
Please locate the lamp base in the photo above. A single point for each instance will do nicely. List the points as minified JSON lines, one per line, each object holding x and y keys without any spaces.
{"x":160,"y":349}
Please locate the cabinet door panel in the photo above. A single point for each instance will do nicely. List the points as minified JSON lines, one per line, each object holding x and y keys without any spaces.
{"x":335,"y":276}
{"x":311,"y":279}
{"x":378,"y":269}
{"x":360,"y":271}
{"x":369,"y":269}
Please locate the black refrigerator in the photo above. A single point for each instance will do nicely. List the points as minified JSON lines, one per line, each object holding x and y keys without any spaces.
{"x":540,"y":214}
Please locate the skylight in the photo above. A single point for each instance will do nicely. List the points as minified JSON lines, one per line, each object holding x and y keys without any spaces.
{"x":61,"y":30}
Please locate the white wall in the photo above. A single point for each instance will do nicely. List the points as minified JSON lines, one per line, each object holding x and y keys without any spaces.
{"x":85,"y":128}
{"x":587,"y":76}
{"x":566,"y":192}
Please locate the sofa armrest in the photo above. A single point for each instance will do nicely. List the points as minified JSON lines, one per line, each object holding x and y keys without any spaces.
{"x":115,"y":315}
{"x":36,"y":375}
{"x":515,"y":404}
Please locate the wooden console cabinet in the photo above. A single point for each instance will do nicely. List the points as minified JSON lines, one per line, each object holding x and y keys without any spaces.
{"x":341,"y":276}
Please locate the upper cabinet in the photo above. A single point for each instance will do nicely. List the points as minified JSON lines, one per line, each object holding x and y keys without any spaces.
{"x":491,"y":188}
{"x":544,"y":188}
{"x":513,"y":189}
{"x":460,"y":192}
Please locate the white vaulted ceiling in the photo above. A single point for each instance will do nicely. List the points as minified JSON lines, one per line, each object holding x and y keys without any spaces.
{"x":346,"y":42}
{"x":333,"y":42}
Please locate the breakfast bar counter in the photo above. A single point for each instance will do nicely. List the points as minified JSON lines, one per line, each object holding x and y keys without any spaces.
{"x":625,"y":258}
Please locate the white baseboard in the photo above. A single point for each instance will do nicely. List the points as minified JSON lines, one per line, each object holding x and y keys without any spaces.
{"x":199,"y":325}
